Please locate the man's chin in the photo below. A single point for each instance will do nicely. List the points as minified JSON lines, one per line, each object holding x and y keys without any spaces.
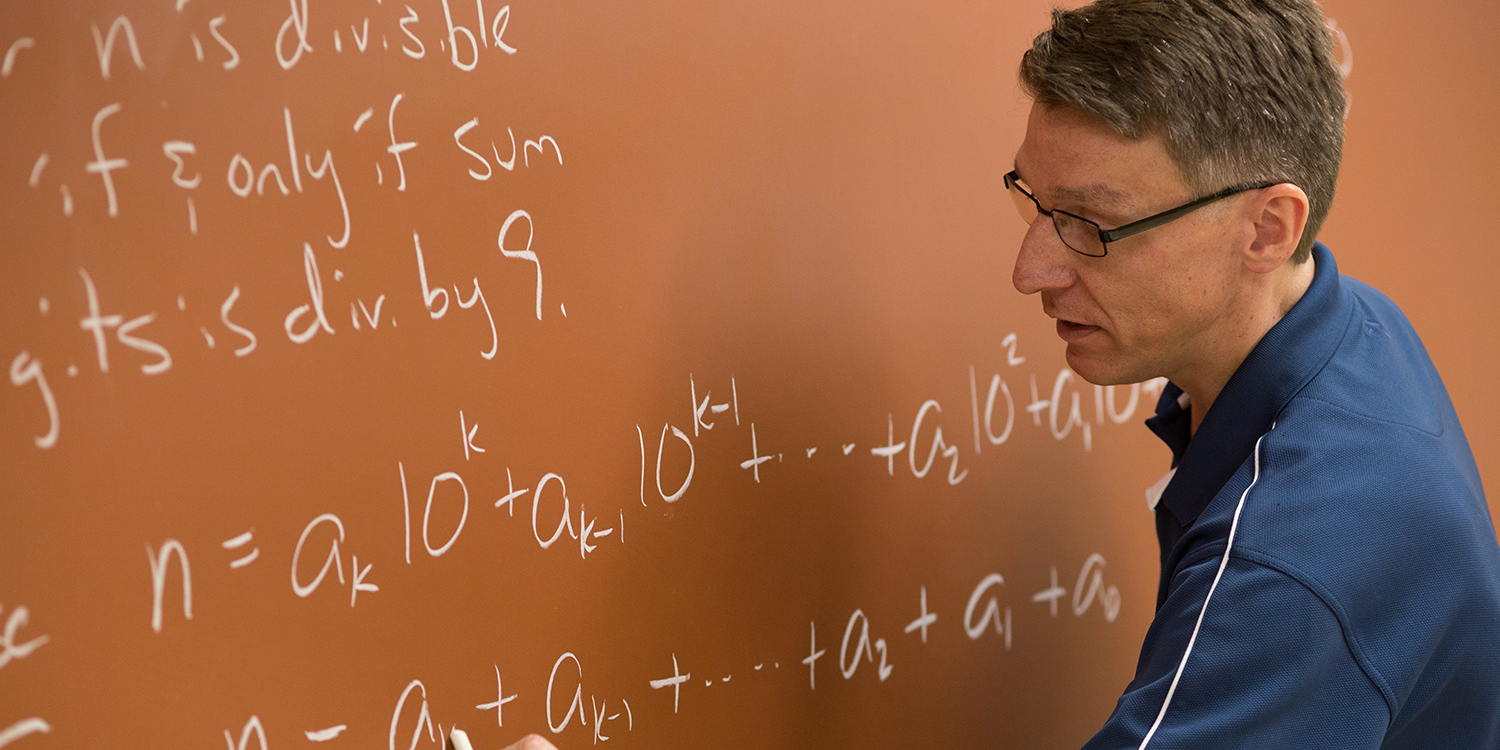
{"x":1099,"y":371}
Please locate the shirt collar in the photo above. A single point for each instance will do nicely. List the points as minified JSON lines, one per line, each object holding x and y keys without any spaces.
{"x":1284,"y":360}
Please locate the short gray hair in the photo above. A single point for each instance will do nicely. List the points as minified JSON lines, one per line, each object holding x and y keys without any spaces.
{"x":1241,"y":91}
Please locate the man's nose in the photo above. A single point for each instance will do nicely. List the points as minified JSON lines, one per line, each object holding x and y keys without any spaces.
{"x":1043,"y":263}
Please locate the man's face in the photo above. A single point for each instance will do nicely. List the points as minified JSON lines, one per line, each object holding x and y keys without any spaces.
{"x":1161,"y":303}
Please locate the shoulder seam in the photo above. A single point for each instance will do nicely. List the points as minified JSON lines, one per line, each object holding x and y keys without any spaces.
{"x":1351,"y":639}
{"x":1269,"y":562}
{"x":1367,"y":417}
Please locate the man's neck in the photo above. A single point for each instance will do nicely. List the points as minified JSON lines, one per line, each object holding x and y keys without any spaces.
{"x":1204,"y":388}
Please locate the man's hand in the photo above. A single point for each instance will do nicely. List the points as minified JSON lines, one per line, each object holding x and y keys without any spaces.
{"x":532,"y":742}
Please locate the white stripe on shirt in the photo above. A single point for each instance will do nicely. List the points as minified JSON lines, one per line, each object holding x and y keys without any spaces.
{"x":1223,"y":563}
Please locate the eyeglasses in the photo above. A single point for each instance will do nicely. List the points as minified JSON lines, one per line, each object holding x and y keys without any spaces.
{"x":1086,"y":237}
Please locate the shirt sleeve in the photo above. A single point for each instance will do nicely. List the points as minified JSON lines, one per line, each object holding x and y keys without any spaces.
{"x":1268,"y":666}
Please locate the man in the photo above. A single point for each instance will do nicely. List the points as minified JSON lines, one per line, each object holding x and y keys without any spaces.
{"x":1330,"y":572}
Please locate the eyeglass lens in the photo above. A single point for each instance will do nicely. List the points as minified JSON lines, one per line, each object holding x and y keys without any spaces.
{"x":1079,"y":235}
{"x":1024,"y":206}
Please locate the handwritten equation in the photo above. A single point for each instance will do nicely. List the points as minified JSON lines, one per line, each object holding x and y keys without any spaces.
{"x":438,"y":504}
{"x":863,"y":649}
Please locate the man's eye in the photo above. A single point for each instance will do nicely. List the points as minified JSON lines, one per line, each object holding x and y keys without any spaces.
{"x":1068,"y":220}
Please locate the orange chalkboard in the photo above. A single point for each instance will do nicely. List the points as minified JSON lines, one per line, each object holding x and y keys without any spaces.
{"x":644,"y":374}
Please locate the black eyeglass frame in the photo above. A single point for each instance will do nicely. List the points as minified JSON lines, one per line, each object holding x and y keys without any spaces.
{"x":1106,"y":236}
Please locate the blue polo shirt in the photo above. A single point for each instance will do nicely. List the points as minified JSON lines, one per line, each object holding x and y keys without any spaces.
{"x":1330,"y":572}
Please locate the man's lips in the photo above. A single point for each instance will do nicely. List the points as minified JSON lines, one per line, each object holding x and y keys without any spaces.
{"x":1070,"y":332}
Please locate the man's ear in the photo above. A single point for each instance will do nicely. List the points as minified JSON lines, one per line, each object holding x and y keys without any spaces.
{"x":1279,"y":214}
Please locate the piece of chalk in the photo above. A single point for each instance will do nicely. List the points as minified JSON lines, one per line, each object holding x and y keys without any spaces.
{"x":460,"y":740}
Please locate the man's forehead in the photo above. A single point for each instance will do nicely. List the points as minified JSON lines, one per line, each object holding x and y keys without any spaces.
{"x":1072,"y":156}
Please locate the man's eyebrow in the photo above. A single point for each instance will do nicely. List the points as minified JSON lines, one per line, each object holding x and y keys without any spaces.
{"x":1094,"y":194}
